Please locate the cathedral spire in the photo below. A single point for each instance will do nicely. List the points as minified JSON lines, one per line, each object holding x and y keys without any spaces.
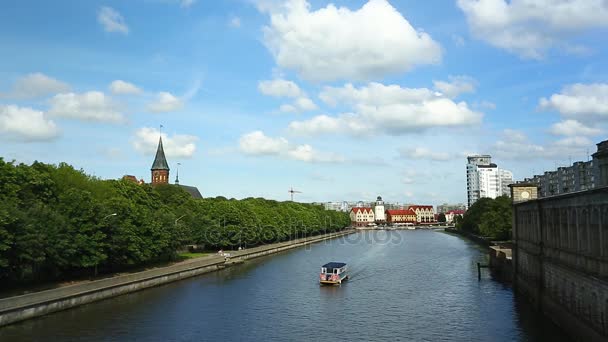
{"x":160,"y":167}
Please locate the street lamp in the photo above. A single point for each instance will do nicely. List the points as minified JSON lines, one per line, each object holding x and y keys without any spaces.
{"x":179,"y":218}
{"x":105,"y":217}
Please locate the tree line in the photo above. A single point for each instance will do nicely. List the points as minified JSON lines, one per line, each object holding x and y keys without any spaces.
{"x":57,"y":222}
{"x":491,"y":218}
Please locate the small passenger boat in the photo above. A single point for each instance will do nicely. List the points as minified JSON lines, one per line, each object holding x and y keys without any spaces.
{"x":333,"y":273}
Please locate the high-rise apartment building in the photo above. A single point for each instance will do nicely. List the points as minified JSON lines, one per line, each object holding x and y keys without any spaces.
{"x":485,"y":179}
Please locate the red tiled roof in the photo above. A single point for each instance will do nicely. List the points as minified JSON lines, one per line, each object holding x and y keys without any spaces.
{"x":420,"y":207}
{"x":365,"y":210}
{"x":456,"y":212}
{"x":400,"y":212}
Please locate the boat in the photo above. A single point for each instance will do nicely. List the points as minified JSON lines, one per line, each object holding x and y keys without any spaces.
{"x":333,"y":273}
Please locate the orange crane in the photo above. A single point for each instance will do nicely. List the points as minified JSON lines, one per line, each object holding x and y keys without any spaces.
{"x":292,"y":191}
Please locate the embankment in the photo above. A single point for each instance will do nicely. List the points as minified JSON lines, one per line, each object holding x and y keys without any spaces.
{"x":19,"y":308}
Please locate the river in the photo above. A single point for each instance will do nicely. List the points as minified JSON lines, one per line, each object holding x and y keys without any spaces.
{"x":405,"y":285}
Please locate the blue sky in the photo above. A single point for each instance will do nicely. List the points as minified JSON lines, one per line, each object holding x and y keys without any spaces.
{"x":343,"y":100}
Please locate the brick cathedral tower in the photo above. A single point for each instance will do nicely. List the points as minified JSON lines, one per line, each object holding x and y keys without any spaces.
{"x":160,"y":168}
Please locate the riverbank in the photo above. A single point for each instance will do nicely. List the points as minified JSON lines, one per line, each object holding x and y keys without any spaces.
{"x":19,"y":308}
{"x":500,"y":253}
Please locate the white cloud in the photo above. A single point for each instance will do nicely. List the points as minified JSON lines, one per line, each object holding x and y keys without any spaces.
{"x":235,"y":22}
{"x":302,"y":104}
{"x":257,"y":143}
{"x":338,"y":43}
{"x":456,"y":86}
{"x":26,"y":124}
{"x":573,"y":128}
{"x":123,"y":88}
{"x":89,"y":106}
{"x":280,"y":88}
{"x":176,"y":146}
{"x":111,"y":20}
{"x":582,"y":101}
{"x":529,"y":28}
{"x":387,"y":109}
{"x":424,"y":153}
{"x":165,"y":102}
{"x":516,"y":145}
{"x":283,"y":88}
{"x":36,"y":85}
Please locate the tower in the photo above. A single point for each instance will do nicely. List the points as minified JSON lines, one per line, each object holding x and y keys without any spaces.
{"x":160,"y":168}
{"x":379,"y":210}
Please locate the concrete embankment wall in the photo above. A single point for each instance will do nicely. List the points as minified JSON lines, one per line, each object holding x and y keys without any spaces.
{"x":19,"y":308}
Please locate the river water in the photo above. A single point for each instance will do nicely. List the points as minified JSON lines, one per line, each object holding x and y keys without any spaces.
{"x":405,"y":285}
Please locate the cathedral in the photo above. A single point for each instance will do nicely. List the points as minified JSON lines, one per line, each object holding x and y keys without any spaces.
{"x":160,"y":173}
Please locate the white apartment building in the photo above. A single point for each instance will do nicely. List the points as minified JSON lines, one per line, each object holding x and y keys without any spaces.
{"x":485,"y":179}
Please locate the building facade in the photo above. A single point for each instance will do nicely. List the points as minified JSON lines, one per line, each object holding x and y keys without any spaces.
{"x":424,"y":213}
{"x":401,"y":216}
{"x":485,"y":179}
{"x":580,"y":176}
{"x":361,"y":217}
{"x":445,"y":207}
{"x":450,"y":216}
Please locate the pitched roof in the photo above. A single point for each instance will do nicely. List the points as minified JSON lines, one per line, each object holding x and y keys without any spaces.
{"x":358,"y":209}
{"x":414,"y":207}
{"x":160,"y":162}
{"x":192,"y":190}
{"x":456,"y":212}
{"x":400,"y":212}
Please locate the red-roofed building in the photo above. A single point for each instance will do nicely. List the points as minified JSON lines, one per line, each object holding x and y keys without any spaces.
{"x":424,"y":213}
{"x":400,"y":216}
{"x":361,"y":217}
{"x":451,"y":215}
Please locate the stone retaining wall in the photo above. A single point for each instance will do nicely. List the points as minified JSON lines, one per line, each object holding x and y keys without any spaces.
{"x":19,"y":308}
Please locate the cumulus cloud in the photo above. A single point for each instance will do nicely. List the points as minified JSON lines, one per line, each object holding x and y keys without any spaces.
{"x":455,"y":86}
{"x":334,"y":43}
{"x":516,"y":145}
{"x":111,"y":20}
{"x":581,"y":101}
{"x":258,"y":144}
{"x":573,"y":128}
{"x":36,"y":85}
{"x":165,"y":102}
{"x":120,"y":87}
{"x":423,"y":153}
{"x":89,"y":106}
{"x":26,"y":124}
{"x":388,"y":109}
{"x":283,"y":88}
{"x":529,"y":28}
{"x":145,"y":141}
{"x":280,"y":88}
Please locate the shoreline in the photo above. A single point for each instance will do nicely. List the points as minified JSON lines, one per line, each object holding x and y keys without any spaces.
{"x":19,"y":308}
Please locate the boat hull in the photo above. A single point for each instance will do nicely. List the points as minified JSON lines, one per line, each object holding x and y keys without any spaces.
{"x":333,"y":282}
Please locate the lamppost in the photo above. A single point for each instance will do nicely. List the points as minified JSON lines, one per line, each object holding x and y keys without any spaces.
{"x":105,"y":217}
{"x":177,"y":220}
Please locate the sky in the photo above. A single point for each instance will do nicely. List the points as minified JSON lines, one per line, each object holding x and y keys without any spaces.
{"x":341,"y":100}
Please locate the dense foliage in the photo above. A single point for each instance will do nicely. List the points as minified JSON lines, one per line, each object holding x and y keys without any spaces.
{"x":489,"y":218}
{"x":56,"y":222}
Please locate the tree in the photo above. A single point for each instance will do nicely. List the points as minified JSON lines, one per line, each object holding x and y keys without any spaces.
{"x":441,"y":218}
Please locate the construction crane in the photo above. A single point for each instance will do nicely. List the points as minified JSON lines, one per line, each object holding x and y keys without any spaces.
{"x":292,"y":191}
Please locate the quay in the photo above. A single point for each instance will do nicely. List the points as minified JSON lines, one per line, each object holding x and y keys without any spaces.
{"x":19,"y":308}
